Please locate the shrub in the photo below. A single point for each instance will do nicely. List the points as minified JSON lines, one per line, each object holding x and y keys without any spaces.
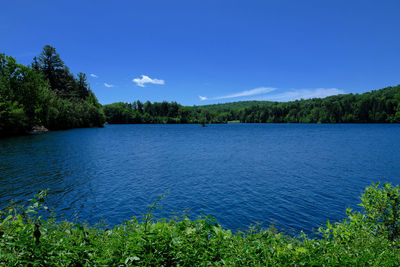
{"x":31,"y":236}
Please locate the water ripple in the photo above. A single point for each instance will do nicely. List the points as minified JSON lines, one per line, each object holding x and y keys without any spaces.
{"x":295,"y":176}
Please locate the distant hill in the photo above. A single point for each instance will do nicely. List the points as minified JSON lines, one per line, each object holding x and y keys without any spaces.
{"x":378,"y":106}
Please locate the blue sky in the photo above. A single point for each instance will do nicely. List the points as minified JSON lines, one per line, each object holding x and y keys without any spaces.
{"x":203,"y":52}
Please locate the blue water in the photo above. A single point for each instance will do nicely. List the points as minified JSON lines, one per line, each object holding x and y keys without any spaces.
{"x":295,"y":176}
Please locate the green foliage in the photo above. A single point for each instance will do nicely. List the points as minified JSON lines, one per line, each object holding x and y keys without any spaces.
{"x":163,"y":112}
{"x":31,"y":236}
{"x":377,"y":106}
{"x":382,"y":206}
{"x":13,"y":119}
{"x":380,"y":106}
{"x":20,"y":88}
{"x":44,"y":94}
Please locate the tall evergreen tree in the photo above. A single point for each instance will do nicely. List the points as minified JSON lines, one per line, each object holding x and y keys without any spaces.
{"x":83,"y":85}
{"x":49,"y":63}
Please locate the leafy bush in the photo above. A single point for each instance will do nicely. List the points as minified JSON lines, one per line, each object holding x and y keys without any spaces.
{"x":382,"y":205}
{"x":31,"y":236}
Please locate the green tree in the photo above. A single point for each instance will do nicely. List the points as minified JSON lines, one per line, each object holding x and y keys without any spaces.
{"x":82,"y":85}
{"x":49,"y":63}
{"x":27,"y":97}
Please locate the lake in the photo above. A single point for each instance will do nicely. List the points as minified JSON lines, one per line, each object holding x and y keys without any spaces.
{"x":295,"y":176}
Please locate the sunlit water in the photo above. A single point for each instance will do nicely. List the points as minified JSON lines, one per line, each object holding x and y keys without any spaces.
{"x":295,"y":176}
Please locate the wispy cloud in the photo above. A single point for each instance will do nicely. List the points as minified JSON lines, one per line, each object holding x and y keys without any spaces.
{"x":146,"y":79}
{"x":255,"y":91}
{"x":303,"y":94}
{"x":108,"y":85}
{"x":93,"y":75}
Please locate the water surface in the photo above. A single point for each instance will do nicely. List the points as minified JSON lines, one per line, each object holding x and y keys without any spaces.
{"x":295,"y":176}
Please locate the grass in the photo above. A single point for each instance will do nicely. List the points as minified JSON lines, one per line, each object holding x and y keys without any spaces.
{"x":30,"y":236}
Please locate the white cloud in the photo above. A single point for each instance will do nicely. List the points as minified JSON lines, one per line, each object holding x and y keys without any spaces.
{"x":108,"y":85}
{"x":93,"y":75}
{"x":255,"y":91}
{"x":146,"y":79}
{"x":303,"y":94}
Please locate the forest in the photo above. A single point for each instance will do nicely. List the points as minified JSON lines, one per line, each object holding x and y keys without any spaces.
{"x":164,"y":112}
{"x":378,"y":106}
{"x":45,"y":94}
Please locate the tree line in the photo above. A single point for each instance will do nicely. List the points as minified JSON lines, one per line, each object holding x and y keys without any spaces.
{"x":157,"y":112}
{"x":45,"y":93}
{"x":379,"y":106}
